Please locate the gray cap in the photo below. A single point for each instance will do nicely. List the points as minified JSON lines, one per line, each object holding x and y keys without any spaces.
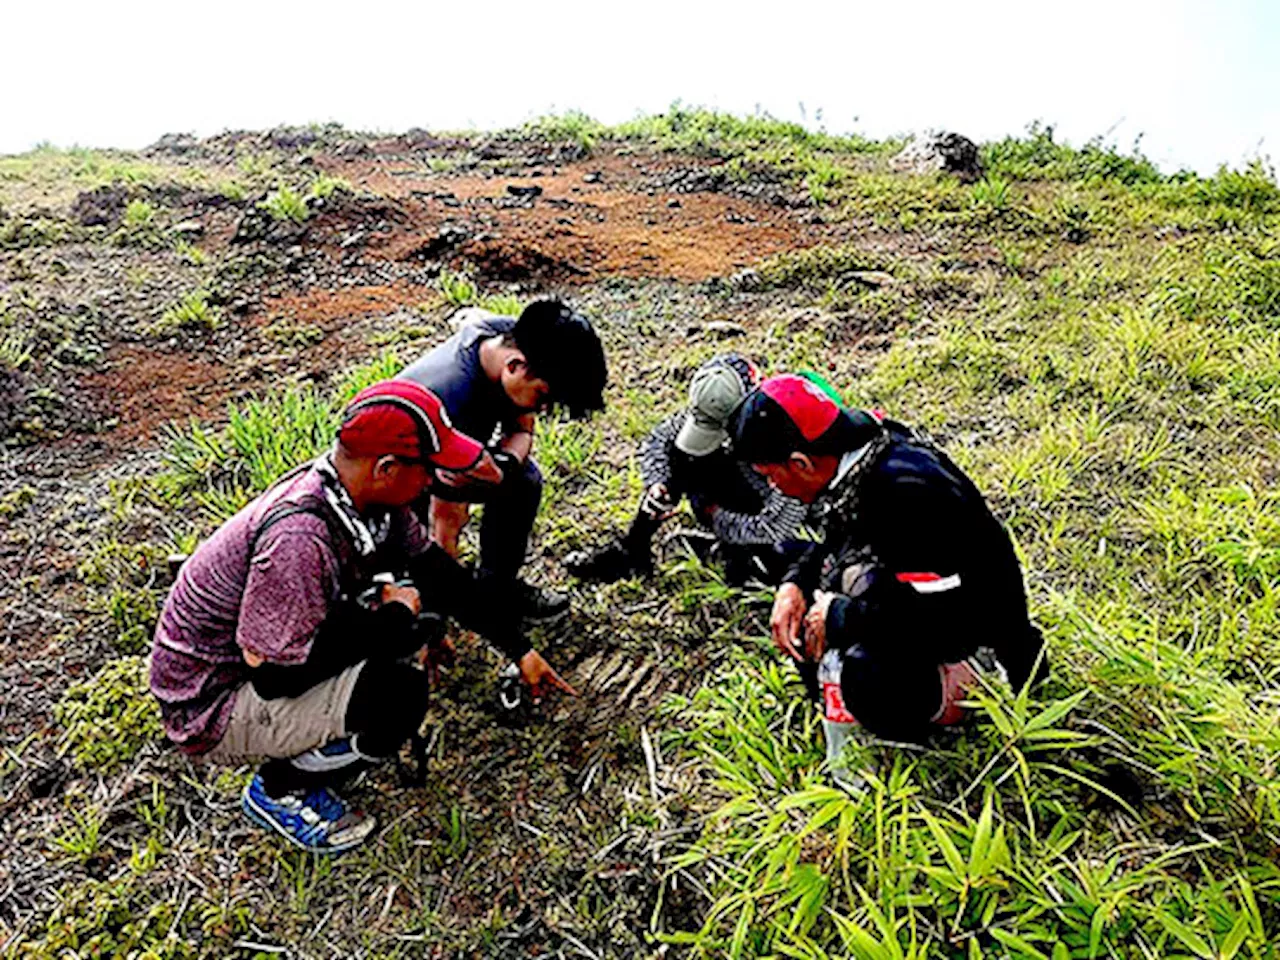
{"x":716,"y":389}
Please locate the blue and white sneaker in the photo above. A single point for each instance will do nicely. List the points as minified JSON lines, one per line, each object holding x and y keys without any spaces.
{"x":318,"y":821}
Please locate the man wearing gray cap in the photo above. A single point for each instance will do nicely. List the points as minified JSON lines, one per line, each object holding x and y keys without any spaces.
{"x":684,"y":455}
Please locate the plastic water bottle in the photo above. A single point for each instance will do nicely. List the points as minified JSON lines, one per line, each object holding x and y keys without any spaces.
{"x":838,"y":724}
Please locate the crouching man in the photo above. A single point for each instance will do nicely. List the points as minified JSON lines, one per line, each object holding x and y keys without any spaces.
{"x":276,"y":644}
{"x":495,"y":375}
{"x":753,"y":525}
{"x":914,"y":586}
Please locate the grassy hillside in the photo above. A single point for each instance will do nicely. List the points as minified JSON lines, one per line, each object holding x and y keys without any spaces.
{"x":1096,"y":342}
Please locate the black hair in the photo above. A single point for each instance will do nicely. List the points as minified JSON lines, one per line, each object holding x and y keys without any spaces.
{"x":560,"y":346}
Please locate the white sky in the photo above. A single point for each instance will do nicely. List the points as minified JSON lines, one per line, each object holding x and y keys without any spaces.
{"x":1199,"y":79}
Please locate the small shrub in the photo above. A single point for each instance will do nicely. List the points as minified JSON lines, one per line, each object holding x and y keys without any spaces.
{"x":109,"y":717}
{"x":285,"y":203}
{"x":192,"y":312}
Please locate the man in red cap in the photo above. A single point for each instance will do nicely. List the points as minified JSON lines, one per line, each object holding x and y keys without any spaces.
{"x":914,"y":585}
{"x":277,"y":644}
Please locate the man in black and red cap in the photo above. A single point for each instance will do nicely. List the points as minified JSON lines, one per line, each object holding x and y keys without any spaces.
{"x":277,"y":643}
{"x":494,"y":376}
{"x":913,"y":579}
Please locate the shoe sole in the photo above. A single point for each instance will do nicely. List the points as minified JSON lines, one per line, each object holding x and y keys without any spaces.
{"x":262,"y":819}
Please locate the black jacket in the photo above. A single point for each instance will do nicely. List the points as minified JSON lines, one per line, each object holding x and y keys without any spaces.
{"x":920,"y":566}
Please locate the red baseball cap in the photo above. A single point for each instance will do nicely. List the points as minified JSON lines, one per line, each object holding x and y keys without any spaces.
{"x":403,"y":419}
{"x":790,"y":413}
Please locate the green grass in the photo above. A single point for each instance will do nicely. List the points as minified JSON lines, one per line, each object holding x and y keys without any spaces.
{"x":192,"y":313}
{"x":1097,"y":343}
{"x":222,"y":470}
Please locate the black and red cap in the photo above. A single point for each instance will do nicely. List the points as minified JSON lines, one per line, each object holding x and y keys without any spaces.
{"x":403,"y":419}
{"x":789,"y":413}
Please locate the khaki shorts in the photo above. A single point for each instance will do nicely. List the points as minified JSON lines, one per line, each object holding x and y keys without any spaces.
{"x":285,"y":727}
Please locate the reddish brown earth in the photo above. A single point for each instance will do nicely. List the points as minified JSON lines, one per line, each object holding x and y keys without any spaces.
{"x":626,"y":224}
{"x":620,"y":226}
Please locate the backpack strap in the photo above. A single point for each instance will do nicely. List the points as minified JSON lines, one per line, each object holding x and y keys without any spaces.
{"x":312,"y":505}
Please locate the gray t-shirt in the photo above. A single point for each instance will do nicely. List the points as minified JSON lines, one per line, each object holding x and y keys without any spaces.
{"x":452,"y":371}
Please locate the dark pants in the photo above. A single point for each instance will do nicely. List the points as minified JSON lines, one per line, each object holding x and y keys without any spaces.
{"x":510,"y":508}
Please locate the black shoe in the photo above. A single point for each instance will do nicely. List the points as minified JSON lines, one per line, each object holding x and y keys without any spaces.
{"x":540,"y":605}
{"x":608,"y":563}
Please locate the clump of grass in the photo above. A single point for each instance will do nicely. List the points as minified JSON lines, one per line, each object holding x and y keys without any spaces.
{"x":234,"y":190}
{"x":1038,"y":156}
{"x":223,"y":470}
{"x":138,"y":215}
{"x":14,"y":503}
{"x":573,"y":126}
{"x":992,"y":193}
{"x":192,"y":313}
{"x":108,"y":718}
{"x":325,"y":186}
{"x":457,"y":288}
{"x":22,"y":232}
{"x":15,"y":351}
{"x":286,"y":204}
{"x":506,"y":304}
{"x":189,"y":253}
{"x":285,"y":333}
{"x":128,"y":917}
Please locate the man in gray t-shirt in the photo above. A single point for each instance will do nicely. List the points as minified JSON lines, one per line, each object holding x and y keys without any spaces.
{"x":494,"y":375}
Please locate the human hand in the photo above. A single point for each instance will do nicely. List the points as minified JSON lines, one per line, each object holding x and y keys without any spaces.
{"x":787,"y":617}
{"x":815,"y":625}
{"x":436,"y":655}
{"x":657,"y":502}
{"x":405,"y":594}
{"x":540,"y":676}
